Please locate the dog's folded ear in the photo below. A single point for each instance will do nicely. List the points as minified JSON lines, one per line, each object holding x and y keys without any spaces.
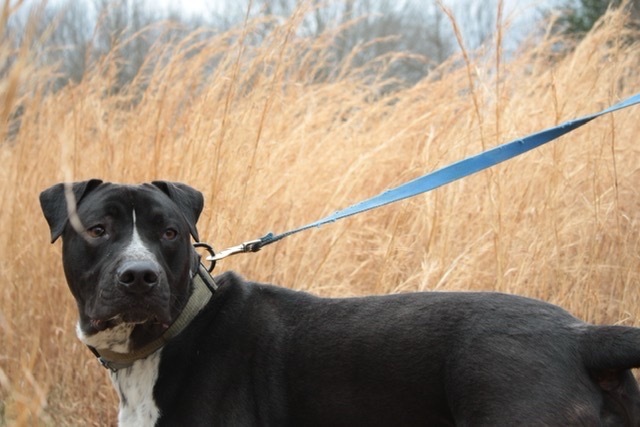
{"x":189,"y":200}
{"x":54,"y":205}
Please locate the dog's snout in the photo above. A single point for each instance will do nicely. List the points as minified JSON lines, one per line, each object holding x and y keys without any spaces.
{"x":138,"y":276}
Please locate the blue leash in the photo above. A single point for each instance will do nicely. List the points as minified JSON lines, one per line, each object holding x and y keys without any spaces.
{"x":437,"y":178}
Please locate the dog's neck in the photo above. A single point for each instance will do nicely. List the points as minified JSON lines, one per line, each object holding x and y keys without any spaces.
{"x":117,"y":355}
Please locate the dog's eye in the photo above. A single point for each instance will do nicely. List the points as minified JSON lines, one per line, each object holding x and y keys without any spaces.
{"x":96,"y":231}
{"x":170,"y":234}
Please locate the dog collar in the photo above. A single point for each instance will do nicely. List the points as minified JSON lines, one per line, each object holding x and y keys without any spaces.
{"x":203,"y":289}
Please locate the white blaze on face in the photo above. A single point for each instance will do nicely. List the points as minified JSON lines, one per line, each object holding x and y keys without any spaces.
{"x":137,"y":250}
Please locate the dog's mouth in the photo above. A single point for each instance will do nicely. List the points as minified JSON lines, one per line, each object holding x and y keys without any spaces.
{"x":101,"y":325}
{"x":143,"y":316}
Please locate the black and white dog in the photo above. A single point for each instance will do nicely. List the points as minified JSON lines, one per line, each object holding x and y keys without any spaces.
{"x":187,"y":350}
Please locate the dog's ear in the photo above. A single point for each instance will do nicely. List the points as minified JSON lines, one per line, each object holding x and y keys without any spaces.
{"x":54,"y":203}
{"x":189,"y":200}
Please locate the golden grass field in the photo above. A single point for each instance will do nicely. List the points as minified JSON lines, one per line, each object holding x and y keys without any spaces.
{"x":272,"y":149}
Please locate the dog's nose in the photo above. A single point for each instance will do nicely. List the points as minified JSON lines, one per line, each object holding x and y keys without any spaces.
{"x":138,"y":277}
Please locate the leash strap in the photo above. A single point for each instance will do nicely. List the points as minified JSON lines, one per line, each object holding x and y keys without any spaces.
{"x":437,"y":178}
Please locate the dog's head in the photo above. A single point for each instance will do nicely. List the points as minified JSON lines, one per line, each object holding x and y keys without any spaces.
{"x":127,"y":255}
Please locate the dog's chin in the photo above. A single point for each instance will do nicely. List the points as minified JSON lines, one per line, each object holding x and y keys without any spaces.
{"x":132,"y":318}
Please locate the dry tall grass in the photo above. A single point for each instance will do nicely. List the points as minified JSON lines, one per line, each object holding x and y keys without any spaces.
{"x":272,"y":149}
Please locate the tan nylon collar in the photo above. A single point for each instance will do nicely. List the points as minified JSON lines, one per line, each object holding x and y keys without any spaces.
{"x":203,"y":289}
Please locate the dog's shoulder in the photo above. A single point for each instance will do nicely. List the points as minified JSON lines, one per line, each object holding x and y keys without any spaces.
{"x":233,"y":285}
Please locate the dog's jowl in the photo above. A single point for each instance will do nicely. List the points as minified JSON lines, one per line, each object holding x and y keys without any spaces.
{"x":186,"y":349}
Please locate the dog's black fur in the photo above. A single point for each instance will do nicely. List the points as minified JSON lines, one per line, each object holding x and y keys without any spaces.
{"x":259,"y":354}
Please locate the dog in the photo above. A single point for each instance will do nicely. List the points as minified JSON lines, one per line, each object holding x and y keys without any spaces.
{"x":186,"y":349}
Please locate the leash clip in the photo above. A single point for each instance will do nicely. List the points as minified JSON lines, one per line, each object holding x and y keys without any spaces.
{"x":249,"y":246}
{"x":209,"y":249}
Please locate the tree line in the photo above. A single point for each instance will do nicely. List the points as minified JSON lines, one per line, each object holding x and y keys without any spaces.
{"x":74,"y":36}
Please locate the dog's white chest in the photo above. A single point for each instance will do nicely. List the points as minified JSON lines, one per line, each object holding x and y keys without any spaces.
{"x":135,"y":389}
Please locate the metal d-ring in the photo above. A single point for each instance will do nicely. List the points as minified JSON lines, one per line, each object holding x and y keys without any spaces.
{"x":212,"y":255}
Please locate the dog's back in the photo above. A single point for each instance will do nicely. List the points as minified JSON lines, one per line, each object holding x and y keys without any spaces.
{"x":278,"y":357}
